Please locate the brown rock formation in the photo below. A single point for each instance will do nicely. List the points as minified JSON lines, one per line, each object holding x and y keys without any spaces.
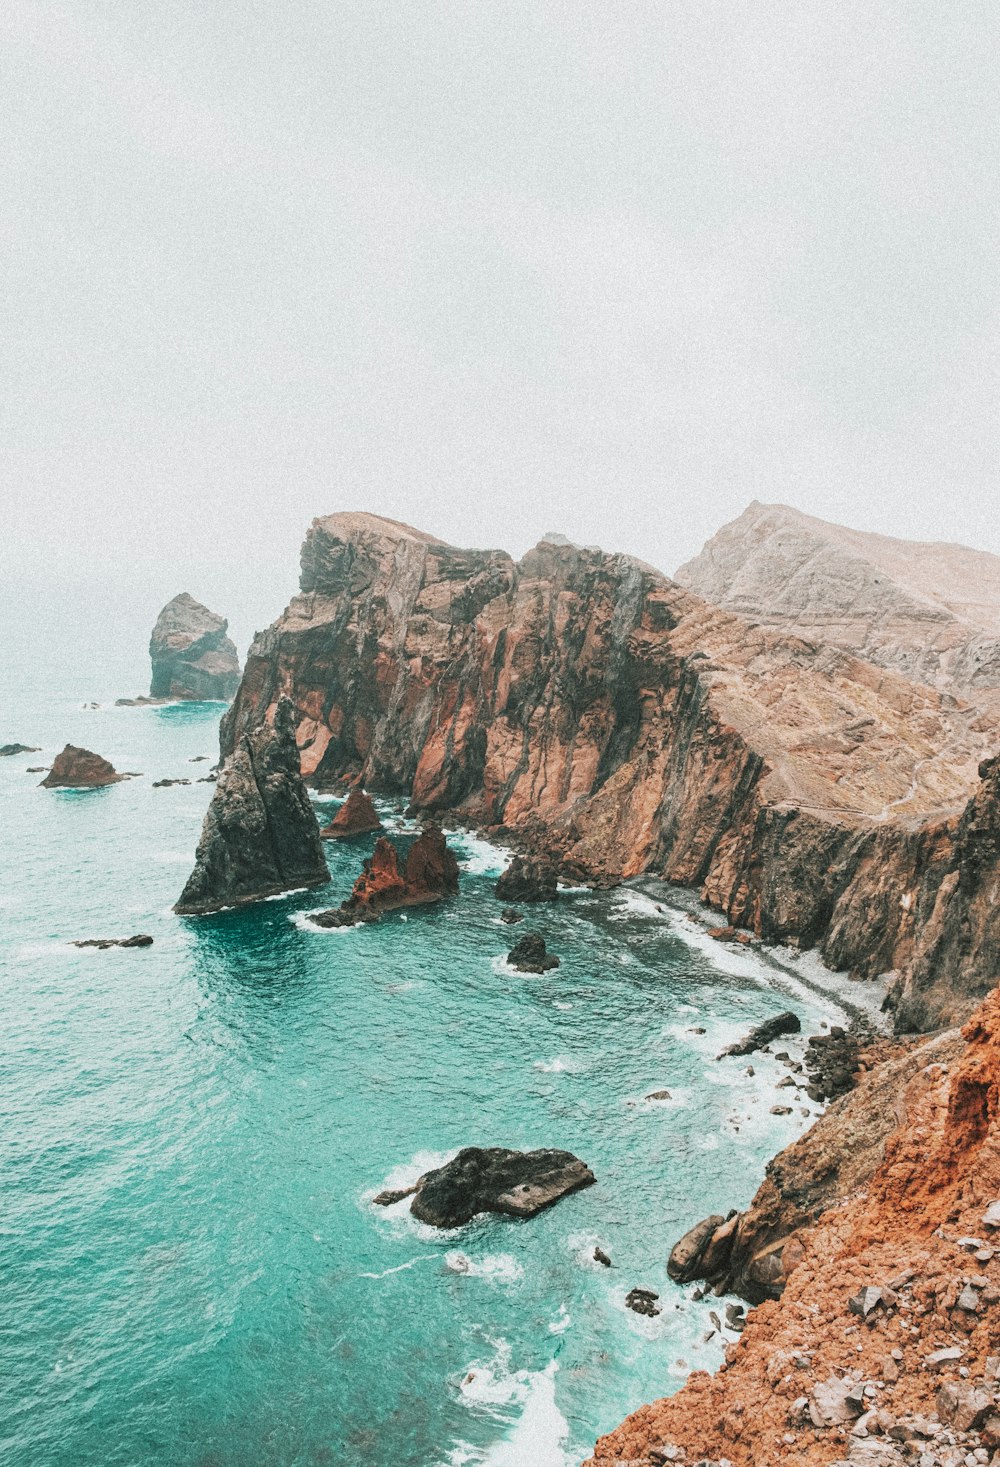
{"x":191,"y":655}
{"x":79,"y":769}
{"x":891,"y":1314}
{"x":429,"y":873}
{"x":356,"y":816}
{"x":620,"y":724}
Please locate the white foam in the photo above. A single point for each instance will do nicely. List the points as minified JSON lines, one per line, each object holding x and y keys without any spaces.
{"x":538,"y":1437}
{"x":478,"y":856}
{"x":500,"y":1268}
{"x":301,"y":920}
{"x":400,"y":1267}
{"x":562,"y":1323}
{"x":559,"y":1064}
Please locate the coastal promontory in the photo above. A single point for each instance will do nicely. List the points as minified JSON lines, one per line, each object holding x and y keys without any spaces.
{"x":192,"y":656}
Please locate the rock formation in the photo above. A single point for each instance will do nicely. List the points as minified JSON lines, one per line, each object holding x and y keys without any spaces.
{"x":79,"y":769}
{"x":618,"y":724}
{"x":429,"y":873}
{"x":6,"y":750}
{"x":761,"y":1034}
{"x":356,"y":816}
{"x":493,"y":1179}
{"x":882,"y":1348}
{"x":529,"y":955}
{"x":140,"y":939}
{"x":260,"y":835}
{"x":527,"y":880}
{"x":191,"y":655}
{"x":929,"y":611}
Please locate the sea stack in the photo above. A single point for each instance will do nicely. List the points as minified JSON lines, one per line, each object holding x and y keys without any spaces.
{"x":428,"y":874}
{"x":191,"y":655}
{"x":80,"y":769}
{"x":260,"y":835}
{"x":356,"y":816}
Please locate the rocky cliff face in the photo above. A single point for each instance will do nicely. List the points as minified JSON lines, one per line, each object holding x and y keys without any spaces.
{"x":260,"y":835}
{"x":606,"y":716}
{"x":930,"y":611}
{"x":191,"y":655}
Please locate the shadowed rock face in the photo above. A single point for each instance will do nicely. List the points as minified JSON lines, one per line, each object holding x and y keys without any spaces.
{"x":619,"y":724}
{"x":356,"y":816}
{"x":493,"y":1179}
{"x":260,"y":834}
{"x":79,"y":769}
{"x":191,"y":655}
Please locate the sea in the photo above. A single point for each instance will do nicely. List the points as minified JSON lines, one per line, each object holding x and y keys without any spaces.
{"x":193,"y":1273}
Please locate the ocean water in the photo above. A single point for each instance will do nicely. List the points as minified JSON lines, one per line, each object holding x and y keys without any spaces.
{"x":192,"y":1269}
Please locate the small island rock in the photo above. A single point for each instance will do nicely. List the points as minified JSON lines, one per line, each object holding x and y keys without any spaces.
{"x":429,"y":873}
{"x":356,"y":816}
{"x":770,"y":1029}
{"x":494,"y":1179}
{"x":140,"y":939}
{"x":530,"y":956}
{"x":6,"y":750}
{"x":527,"y":880}
{"x":80,"y":769}
{"x":191,"y":654}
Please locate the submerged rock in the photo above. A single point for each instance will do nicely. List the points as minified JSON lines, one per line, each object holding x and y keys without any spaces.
{"x":191,"y":655}
{"x":494,"y":1179}
{"x":528,"y":880}
{"x":771,"y":1029}
{"x":140,"y":939}
{"x":429,"y":873}
{"x":260,"y":835}
{"x":6,"y":750}
{"x":356,"y":816}
{"x":510,"y":915}
{"x":530,"y":956}
{"x":80,"y":769}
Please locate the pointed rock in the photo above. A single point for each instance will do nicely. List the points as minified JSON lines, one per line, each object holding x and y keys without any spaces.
{"x":80,"y":769}
{"x":356,"y":816}
{"x":191,"y":655}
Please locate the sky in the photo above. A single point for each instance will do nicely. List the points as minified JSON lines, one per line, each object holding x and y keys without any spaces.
{"x":606,"y":267}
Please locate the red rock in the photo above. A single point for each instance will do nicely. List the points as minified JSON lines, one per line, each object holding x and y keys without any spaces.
{"x":79,"y":769}
{"x":356,"y":816}
{"x":429,"y":873}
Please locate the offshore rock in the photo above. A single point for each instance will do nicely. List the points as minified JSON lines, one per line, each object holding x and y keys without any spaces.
{"x":6,"y":750}
{"x":786,"y":1023}
{"x":530,"y":955}
{"x":356,"y":816}
{"x":80,"y":769}
{"x":429,"y":873}
{"x":527,"y":880}
{"x":191,"y":655}
{"x":617,"y":724}
{"x":260,"y":835}
{"x":493,"y":1179}
{"x":140,"y":939}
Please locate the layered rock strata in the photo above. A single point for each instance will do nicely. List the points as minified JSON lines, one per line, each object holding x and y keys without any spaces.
{"x":427,"y":874}
{"x":191,"y":654}
{"x":608,"y":719}
{"x":260,"y":835}
{"x":80,"y":769}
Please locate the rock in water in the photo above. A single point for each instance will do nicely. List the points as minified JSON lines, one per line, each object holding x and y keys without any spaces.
{"x":6,"y":750}
{"x":493,"y":1179}
{"x":140,"y":939}
{"x":786,"y":1023}
{"x":429,"y":873}
{"x":260,"y":834}
{"x":79,"y":769}
{"x":530,"y":956}
{"x":356,"y":816}
{"x":191,"y":655}
{"x":527,"y":880}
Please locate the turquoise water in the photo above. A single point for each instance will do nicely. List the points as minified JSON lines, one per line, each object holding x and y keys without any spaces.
{"x":192,"y":1269}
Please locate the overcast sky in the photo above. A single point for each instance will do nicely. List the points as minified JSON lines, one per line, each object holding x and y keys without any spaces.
{"x":492,"y":267}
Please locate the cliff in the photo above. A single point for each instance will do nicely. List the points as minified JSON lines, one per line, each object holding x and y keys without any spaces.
{"x":593,"y":709}
{"x":191,"y":655}
{"x":930,"y":611}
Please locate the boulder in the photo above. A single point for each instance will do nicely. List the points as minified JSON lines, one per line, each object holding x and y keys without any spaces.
{"x":528,"y":880}
{"x":6,"y":750}
{"x":429,"y":873}
{"x":510,"y":915}
{"x":601,"y":1257}
{"x":140,"y":939}
{"x":260,"y":836}
{"x":80,"y":769}
{"x":494,"y":1179}
{"x":356,"y":816}
{"x":642,"y":1301}
{"x":684,"y":1264}
{"x":529,"y":955}
{"x":191,"y":654}
{"x":765,"y":1033}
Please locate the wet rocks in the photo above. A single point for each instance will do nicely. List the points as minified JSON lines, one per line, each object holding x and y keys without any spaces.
{"x":529,"y":955}
{"x":765,"y":1033}
{"x":163,"y":784}
{"x":260,"y":835}
{"x":643,"y":1301}
{"x":601,"y":1257}
{"x":192,"y":656}
{"x":832,"y":1059}
{"x":7,"y":750}
{"x":659,"y":1095}
{"x":528,"y":880}
{"x":80,"y":769}
{"x":356,"y":816}
{"x":428,"y":874}
{"x":687,"y":1255}
{"x":140,"y":939}
{"x":495,"y":1179}
{"x":510,"y":915}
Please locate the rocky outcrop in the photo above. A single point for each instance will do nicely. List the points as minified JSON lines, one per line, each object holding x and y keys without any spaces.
{"x":356,"y":816}
{"x":429,"y":873}
{"x":527,"y":880}
{"x":7,"y":750}
{"x":493,"y":1179}
{"x":531,"y":956}
{"x":883,"y":1344}
{"x":80,"y":769}
{"x":140,"y":939}
{"x":929,"y":611}
{"x":614,"y":723}
{"x":764,"y":1033}
{"x":191,"y":655}
{"x":260,"y":835}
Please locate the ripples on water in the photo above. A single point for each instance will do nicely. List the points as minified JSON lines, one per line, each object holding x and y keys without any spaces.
{"x":192,"y":1269}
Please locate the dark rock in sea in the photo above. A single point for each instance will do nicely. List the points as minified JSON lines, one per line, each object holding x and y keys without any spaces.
{"x":6,"y":750}
{"x":356,"y":816}
{"x":643,"y":1301}
{"x":162,"y":784}
{"x":429,"y":873}
{"x":392,"y":1195}
{"x":80,"y":769}
{"x":659,"y":1095}
{"x":685,"y":1262}
{"x":494,"y":1179}
{"x":781,"y":1110}
{"x":528,"y":880}
{"x":141,"y":939}
{"x":198,"y":759}
{"x":601,"y":1257}
{"x":529,"y":955}
{"x":191,"y":655}
{"x":260,"y":835}
{"x":37,"y":769}
{"x":770,"y":1029}
{"x":510,"y":915}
